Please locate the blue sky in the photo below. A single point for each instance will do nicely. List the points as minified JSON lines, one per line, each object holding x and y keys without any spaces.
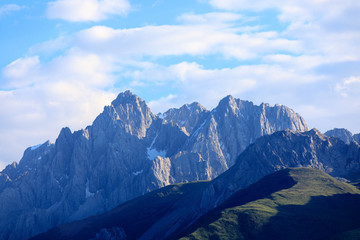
{"x":63,"y":60}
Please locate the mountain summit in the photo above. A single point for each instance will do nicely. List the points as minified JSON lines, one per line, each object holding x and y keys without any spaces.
{"x":344,"y":135}
{"x":126,"y":152}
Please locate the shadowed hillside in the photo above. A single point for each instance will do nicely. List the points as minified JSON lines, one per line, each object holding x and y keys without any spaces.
{"x":296,"y":203}
{"x":133,"y":217}
{"x":316,"y":207}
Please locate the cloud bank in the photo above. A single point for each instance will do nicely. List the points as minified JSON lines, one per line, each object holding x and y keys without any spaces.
{"x":7,"y":8}
{"x":86,"y":10}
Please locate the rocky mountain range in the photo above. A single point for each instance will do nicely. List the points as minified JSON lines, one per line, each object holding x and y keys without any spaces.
{"x":267,"y":155}
{"x":170,"y":212}
{"x":344,"y":135}
{"x":129,"y":151}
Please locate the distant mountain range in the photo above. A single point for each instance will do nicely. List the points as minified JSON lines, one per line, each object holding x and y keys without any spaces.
{"x":127,"y":152}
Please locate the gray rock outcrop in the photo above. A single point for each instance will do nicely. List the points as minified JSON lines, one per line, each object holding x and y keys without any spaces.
{"x":127,"y":152}
{"x":341,"y":133}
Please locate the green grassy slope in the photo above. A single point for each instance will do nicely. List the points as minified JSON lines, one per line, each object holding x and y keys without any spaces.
{"x":309,"y":205}
{"x":134,"y":216}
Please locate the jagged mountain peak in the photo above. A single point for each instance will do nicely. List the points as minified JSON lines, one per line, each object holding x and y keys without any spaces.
{"x":228,"y":98}
{"x":128,"y":151}
{"x":188,"y":116}
{"x":126,"y":98}
{"x":65,"y":139}
{"x":30,"y":161}
{"x":127,"y":111}
{"x":192,"y":107}
{"x":232,"y":105}
{"x":127,"y":101}
{"x":65,"y":133}
{"x":195,"y":106}
{"x":316,"y":131}
{"x":236,"y":105}
{"x":227,"y":101}
{"x":342,"y":133}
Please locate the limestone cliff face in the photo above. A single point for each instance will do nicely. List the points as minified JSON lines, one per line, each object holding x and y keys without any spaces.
{"x":127,"y":152}
{"x":188,"y":117}
{"x":226,"y":131}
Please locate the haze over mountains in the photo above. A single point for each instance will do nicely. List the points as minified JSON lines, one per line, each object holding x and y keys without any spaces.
{"x":127,"y":152}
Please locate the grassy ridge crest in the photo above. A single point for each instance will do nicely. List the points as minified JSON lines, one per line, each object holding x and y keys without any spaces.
{"x":315,"y":206}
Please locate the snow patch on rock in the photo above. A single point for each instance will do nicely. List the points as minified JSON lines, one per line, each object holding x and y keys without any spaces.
{"x":138,"y":172}
{"x":153,"y":152}
{"x":35,"y":147}
{"x":87,"y":191}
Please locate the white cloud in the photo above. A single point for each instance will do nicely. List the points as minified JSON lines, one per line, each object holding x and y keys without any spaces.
{"x":167,"y":102}
{"x":70,"y":90}
{"x":221,"y":33}
{"x":86,"y":10}
{"x":269,"y":83}
{"x":332,"y":7}
{"x":5,"y":9}
{"x":195,"y":40}
{"x":78,"y":66}
{"x":349,"y":87}
{"x":21,"y":67}
{"x":51,"y":46}
{"x":20,"y":72}
{"x":328,"y":37}
{"x":75,"y":66}
{"x":322,"y":27}
{"x":33,"y":115}
{"x":211,"y":18}
{"x":240,"y":4}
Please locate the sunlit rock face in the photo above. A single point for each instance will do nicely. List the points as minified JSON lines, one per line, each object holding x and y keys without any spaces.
{"x":126,"y":152}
